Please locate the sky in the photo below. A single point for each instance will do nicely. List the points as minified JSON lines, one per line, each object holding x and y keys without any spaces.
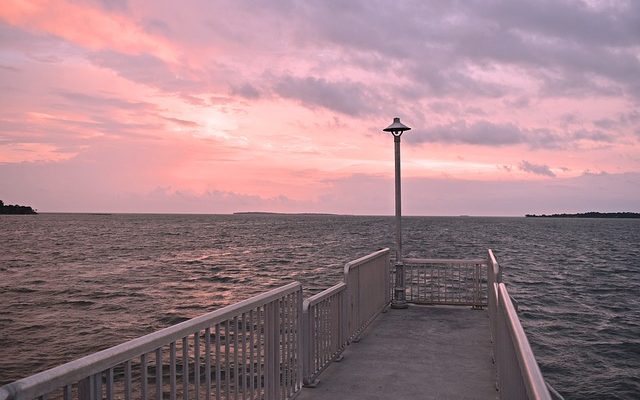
{"x":203,"y":106}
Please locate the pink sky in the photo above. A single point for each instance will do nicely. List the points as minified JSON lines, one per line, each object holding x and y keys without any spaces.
{"x":215,"y":107}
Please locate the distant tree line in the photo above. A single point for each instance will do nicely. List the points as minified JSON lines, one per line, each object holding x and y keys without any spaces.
{"x":591,"y":214}
{"x":15,"y":209}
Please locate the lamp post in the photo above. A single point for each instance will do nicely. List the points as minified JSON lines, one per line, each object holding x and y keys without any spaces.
{"x":399,"y":297}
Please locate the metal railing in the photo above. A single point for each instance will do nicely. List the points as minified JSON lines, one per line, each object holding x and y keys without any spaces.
{"x":325,"y":327}
{"x":265,"y":347}
{"x":519,"y":375}
{"x":249,"y":350}
{"x":338,"y":315}
{"x":367,"y":280}
{"x":446,"y":282}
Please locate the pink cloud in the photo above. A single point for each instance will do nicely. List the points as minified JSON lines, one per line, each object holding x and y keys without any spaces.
{"x":86,"y":26}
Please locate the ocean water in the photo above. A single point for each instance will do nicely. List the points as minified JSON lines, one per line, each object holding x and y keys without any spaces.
{"x":72,"y":284}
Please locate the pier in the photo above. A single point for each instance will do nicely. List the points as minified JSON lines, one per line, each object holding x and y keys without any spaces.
{"x":459,"y":337}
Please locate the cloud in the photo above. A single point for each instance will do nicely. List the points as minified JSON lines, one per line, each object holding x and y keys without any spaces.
{"x":149,"y":70}
{"x":346,"y":97}
{"x":487,"y":133}
{"x":247,"y":91}
{"x":484,"y":133}
{"x":537,"y":169}
{"x":88,"y":26}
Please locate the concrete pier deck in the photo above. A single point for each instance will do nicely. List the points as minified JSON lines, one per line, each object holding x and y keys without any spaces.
{"x":423,"y":352}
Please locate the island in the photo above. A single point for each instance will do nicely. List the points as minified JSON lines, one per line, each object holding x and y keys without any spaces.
{"x":15,"y":209}
{"x":591,"y":214}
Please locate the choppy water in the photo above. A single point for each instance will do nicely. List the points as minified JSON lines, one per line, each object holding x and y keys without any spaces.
{"x":72,"y":284}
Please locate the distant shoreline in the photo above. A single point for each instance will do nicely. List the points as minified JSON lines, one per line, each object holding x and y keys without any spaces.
{"x":591,"y":214}
{"x":15,"y":209}
{"x":279,"y":213}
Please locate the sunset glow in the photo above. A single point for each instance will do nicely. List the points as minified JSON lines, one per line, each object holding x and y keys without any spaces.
{"x":216,"y":107}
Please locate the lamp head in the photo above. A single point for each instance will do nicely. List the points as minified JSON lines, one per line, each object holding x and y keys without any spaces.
{"x":397,"y":127}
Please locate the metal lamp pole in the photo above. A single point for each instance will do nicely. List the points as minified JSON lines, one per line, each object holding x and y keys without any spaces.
{"x":399,"y":297}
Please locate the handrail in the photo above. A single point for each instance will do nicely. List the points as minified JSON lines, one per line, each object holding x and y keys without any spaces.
{"x":445,"y":261}
{"x":531,"y":375}
{"x":318,"y":297}
{"x":494,"y":267}
{"x":362,"y":260}
{"x":71,"y":372}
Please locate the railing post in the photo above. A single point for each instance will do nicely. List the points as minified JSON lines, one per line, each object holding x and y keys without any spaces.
{"x":307,"y":347}
{"x":301,"y":355}
{"x":399,"y":296}
{"x":476,"y":288}
{"x":272,"y":350}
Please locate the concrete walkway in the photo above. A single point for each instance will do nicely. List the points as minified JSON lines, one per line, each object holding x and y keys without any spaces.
{"x":423,"y":352}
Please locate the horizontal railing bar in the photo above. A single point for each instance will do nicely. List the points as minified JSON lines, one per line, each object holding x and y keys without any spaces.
{"x":446,"y":303}
{"x":445,"y":261}
{"x":532,"y":376}
{"x":49,"y":380}
{"x":317,"y":298}
{"x":365,"y":259}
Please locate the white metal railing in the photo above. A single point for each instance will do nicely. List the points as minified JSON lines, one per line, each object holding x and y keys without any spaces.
{"x":446,"y":281}
{"x":325,"y":327}
{"x":519,"y":375}
{"x":367,"y":280}
{"x":338,"y":315}
{"x":494,"y":276}
{"x":265,"y":347}
{"x":249,"y":350}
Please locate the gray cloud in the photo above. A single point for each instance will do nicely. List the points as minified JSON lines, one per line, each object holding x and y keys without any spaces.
{"x":247,"y":91}
{"x":147,"y":69}
{"x":480,"y":133}
{"x":345,"y":96}
{"x":569,"y":46}
{"x":596,"y":136}
{"x":486,"y":133}
{"x":537,"y":169}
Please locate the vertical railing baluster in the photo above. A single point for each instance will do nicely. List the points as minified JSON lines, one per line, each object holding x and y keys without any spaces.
{"x":207,"y":362}
{"x":243,"y":354}
{"x":298,"y":339}
{"x":289,"y":342}
{"x":86,"y":389}
{"x":98,"y":382}
{"x":411,"y":283}
{"x":185,"y":367}
{"x":172,"y":371}
{"x":252,"y":329}
{"x":143,"y":376}
{"x":127,"y":380}
{"x":260,"y":360}
{"x":235,"y":358}
{"x":109,"y":384}
{"x":196,"y":365}
{"x":218,"y":363}
{"x":66,"y":394}
{"x":269,"y":352}
{"x":226,"y":360}
{"x":282,"y":368}
{"x":159,"y":373}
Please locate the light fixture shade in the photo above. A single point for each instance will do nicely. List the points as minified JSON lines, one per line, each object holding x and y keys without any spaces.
{"x":397,"y":127}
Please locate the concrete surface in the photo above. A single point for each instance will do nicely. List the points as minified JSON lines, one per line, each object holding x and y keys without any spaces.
{"x":423,"y":352}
